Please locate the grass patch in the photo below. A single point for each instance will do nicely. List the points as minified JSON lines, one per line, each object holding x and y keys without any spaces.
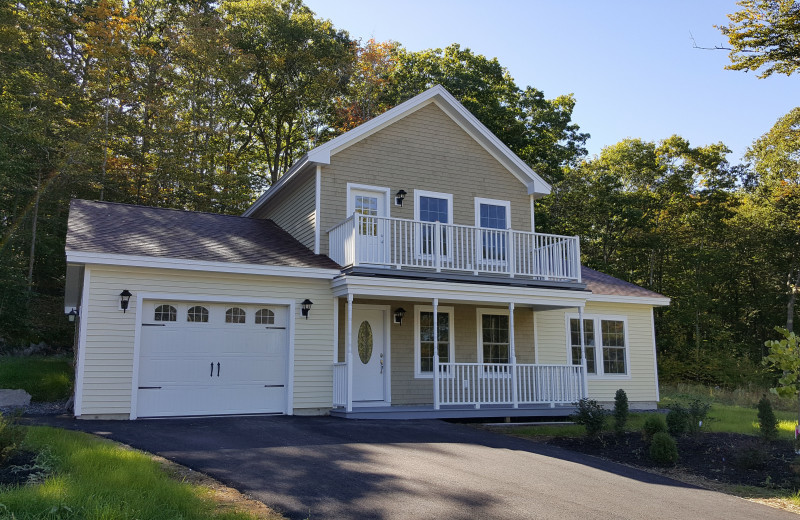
{"x":96,"y":479}
{"x":746,"y":397}
{"x":46,"y":378}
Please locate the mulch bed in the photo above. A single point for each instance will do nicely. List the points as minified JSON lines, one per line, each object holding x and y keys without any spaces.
{"x":18,"y":468}
{"x":725,"y":457}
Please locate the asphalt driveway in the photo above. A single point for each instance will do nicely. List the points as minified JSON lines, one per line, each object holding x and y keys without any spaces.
{"x":322,"y":467}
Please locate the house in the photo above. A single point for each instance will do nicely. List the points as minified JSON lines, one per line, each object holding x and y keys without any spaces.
{"x":393,"y":271}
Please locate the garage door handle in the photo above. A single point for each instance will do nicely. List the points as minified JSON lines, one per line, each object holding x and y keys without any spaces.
{"x":217,"y":369}
{"x":273,"y":386}
{"x":212,"y":369}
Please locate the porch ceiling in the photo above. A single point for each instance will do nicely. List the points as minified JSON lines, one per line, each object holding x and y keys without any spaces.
{"x":454,"y":292}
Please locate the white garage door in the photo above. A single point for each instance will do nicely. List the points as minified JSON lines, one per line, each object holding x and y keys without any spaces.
{"x":201,"y":358}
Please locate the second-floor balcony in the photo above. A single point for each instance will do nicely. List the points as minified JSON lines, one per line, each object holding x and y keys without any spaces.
{"x":362,"y":240}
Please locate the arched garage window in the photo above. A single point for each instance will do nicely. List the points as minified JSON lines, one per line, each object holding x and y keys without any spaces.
{"x":166,"y":313}
{"x":198,"y":314}
{"x":234,"y":315}
{"x":265,"y":317}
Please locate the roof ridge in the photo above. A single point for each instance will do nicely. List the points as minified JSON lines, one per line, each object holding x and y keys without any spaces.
{"x":178,"y":210}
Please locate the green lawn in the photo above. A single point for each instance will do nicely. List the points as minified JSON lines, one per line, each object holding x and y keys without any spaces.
{"x":45,"y":378}
{"x":96,"y":479}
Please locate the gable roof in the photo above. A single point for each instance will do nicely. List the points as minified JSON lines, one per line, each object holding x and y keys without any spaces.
{"x":449,"y":105}
{"x":123,"y":229}
{"x":607,"y":287}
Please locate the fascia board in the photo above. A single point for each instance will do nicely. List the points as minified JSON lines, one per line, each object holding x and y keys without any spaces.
{"x":90,"y":258}
{"x":642,"y":300}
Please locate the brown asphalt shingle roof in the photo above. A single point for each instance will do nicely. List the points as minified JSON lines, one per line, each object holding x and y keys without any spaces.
{"x":106,"y":227}
{"x":601,"y":283}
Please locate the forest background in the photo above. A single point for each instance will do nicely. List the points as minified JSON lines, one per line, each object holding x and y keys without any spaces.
{"x":202,"y":105}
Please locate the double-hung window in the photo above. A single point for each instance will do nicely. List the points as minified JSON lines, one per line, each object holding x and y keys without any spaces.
{"x":492,"y":216}
{"x":494,"y":341}
{"x":425,"y":339}
{"x":430,"y":206}
{"x":606,"y":343}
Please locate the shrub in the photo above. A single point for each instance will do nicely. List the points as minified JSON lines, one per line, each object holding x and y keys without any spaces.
{"x":620,"y":410}
{"x":11,"y":437}
{"x":677,"y":421}
{"x":591,"y":415}
{"x":664,"y":449}
{"x":767,"y":423}
{"x":652,"y":425}
{"x":698,"y":415}
{"x":752,"y":455}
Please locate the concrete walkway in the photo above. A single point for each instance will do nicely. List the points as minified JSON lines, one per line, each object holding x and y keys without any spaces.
{"x":322,"y":467}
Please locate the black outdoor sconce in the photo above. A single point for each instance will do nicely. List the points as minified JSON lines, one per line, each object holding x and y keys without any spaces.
{"x":124,"y":298}
{"x":305,"y":307}
{"x":398,"y":315}
{"x":72,"y":314}
{"x":398,"y":198}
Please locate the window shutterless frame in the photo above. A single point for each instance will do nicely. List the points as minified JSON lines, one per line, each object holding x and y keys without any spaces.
{"x":601,"y":345}
{"x":418,"y":309}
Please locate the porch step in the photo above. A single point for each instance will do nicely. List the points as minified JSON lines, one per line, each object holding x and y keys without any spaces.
{"x":402,"y":413}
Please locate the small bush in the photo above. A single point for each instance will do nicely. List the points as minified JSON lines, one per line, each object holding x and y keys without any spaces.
{"x":677,"y":421}
{"x":767,"y":422}
{"x":591,"y":415}
{"x":698,"y":415}
{"x":664,"y":449}
{"x":11,"y":437}
{"x":620,"y":410}
{"x":652,"y":425}
{"x":752,"y":455}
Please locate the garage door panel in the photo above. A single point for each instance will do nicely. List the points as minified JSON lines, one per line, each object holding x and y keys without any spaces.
{"x":249,"y":363}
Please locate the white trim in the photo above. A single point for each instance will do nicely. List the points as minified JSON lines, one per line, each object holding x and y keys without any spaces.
{"x":598,"y":344}
{"x":317,"y":206}
{"x":434,"y":195}
{"x":463,"y":292}
{"x":366,"y":187}
{"x":442,"y":309}
{"x":655,"y":358}
{"x":198,"y":265}
{"x":533,"y":214}
{"x":535,"y":338}
{"x":479,"y":312}
{"x":492,"y":202}
{"x":184,"y":297}
{"x":83,"y":315}
{"x":661,"y":301}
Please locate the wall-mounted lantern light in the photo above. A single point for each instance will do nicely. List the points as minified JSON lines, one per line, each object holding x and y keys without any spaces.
{"x":398,"y":315}
{"x":124,"y":298}
{"x":305,"y":307}
{"x":398,"y":198}
{"x":72,"y":314}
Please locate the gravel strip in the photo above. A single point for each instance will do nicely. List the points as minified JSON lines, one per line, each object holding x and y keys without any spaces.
{"x":54,"y":408}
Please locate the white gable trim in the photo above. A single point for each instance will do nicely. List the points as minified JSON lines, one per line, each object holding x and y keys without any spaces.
{"x":662,"y":301}
{"x":79,"y":257}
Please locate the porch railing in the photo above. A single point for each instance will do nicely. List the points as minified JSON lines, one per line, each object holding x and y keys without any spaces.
{"x":400,"y":243}
{"x":340,"y":384}
{"x":493,"y":384}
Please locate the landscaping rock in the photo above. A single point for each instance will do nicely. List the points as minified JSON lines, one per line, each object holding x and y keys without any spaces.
{"x":14,"y":398}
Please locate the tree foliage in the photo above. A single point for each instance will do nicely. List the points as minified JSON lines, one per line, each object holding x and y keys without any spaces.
{"x":764,"y":33}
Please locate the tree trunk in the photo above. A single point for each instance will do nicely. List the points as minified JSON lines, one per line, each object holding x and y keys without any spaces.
{"x":33,"y":230}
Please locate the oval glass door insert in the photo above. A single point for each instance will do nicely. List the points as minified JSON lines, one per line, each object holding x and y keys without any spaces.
{"x":364,"y":342}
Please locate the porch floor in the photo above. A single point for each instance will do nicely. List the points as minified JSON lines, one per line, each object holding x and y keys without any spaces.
{"x":452,"y":411}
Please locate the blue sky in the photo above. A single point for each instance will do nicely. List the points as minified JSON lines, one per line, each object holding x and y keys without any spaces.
{"x":630,"y":65}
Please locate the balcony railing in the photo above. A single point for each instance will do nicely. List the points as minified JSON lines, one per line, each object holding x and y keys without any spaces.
{"x":403,"y":243}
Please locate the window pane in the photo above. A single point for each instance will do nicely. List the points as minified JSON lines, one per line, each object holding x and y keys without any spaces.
{"x":166,"y":313}
{"x":265,"y":317}
{"x":589,"y":343}
{"x":493,"y":216}
{"x":495,"y":338}
{"x":234,"y":315}
{"x":197,"y":313}
{"x":613,"y":337}
{"x":432,"y":209}
{"x":426,"y":339}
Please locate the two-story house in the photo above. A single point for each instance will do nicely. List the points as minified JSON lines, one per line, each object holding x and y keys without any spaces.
{"x":393,"y":271}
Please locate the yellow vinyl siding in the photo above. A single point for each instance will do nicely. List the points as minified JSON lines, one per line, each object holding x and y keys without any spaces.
{"x":109,"y":348}
{"x":551,"y":336}
{"x":406,"y":389}
{"x":294,"y":210}
{"x":426,"y":150}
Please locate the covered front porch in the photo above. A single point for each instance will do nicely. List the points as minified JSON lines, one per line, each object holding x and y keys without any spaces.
{"x":483,"y":361}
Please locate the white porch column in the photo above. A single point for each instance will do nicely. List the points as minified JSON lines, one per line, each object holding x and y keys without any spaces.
{"x":512,"y":354}
{"x":349,"y":354}
{"x":436,"y":353}
{"x":583,"y":355}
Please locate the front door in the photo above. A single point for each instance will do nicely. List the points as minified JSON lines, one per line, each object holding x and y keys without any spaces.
{"x":371,"y":237}
{"x":369,"y":350}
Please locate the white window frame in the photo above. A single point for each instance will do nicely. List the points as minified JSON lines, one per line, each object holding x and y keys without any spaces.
{"x":598,"y":341}
{"x":492,"y":202}
{"x":448,"y":232}
{"x":378,"y":190}
{"x":480,"y":312}
{"x":442,"y":309}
